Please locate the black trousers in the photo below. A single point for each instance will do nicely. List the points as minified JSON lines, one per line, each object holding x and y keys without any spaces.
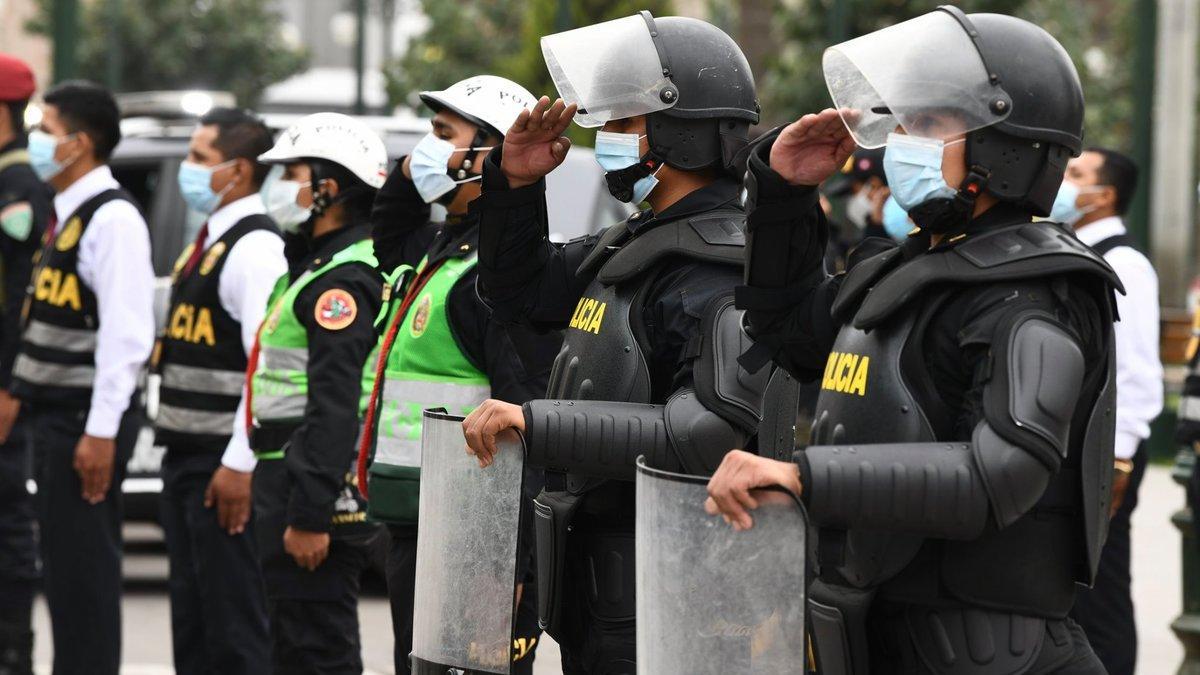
{"x":401,"y":579}
{"x":18,"y":552}
{"x":1105,"y":611}
{"x":218,"y":604}
{"x":80,"y":543}
{"x":313,"y":615}
{"x":599,"y":596}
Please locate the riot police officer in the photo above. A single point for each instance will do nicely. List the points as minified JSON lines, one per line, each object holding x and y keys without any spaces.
{"x":24,"y":211}
{"x":441,"y":349}
{"x":962,"y":451}
{"x":307,"y":379}
{"x":645,"y":366}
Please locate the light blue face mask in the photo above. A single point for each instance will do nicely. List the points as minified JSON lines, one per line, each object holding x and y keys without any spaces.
{"x":429,"y":164}
{"x":615,"y":152}
{"x":895,"y":219}
{"x":42,"y":147}
{"x":914,"y":169}
{"x":1065,"y":210}
{"x":195,"y":184}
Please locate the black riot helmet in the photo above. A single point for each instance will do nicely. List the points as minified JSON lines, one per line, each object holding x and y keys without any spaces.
{"x":1007,"y":83}
{"x":687,"y":76}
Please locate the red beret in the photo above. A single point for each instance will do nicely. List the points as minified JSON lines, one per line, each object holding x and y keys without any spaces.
{"x":16,"y":79}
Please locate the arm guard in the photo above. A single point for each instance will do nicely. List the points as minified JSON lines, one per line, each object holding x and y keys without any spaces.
{"x":947,"y":490}
{"x":690,"y":434}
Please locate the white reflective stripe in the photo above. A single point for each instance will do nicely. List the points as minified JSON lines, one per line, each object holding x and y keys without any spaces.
{"x":397,"y":451}
{"x":455,"y":397}
{"x":267,"y":408}
{"x":192,"y":421}
{"x":43,"y":334}
{"x":1189,"y":408}
{"x":203,"y":380}
{"x":398,"y":441}
{"x":284,"y":358}
{"x":53,"y":374}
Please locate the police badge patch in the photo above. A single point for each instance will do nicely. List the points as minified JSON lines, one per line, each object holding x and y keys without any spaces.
{"x":421,"y":317}
{"x":69,"y":235}
{"x":211,"y":258}
{"x":335,"y":309}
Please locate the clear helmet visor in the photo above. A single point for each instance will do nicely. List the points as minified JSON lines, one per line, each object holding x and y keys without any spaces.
{"x":924,"y":75}
{"x":610,"y":71}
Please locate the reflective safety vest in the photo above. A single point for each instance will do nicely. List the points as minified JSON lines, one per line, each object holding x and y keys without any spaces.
{"x":279,"y":386}
{"x":425,"y":368}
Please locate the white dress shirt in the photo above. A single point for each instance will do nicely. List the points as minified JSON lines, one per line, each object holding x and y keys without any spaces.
{"x":1139,"y":369}
{"x":114,"y":261}
{"x":251,"y":269}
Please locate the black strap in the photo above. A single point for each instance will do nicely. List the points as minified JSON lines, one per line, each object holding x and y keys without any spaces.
{"x":1103,"y":246}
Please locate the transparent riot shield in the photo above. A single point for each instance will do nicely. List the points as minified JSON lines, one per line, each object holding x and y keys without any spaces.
{"x":467,"y":532}
{"x":712,"y":600}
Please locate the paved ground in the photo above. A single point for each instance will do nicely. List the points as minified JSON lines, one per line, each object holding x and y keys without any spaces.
{"x":1156,"y":589}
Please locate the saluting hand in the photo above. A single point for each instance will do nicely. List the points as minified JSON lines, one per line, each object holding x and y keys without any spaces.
{"x":812,"y":148}
{"x":229,"y":491}
{"x":739,"y":473}
{"x":535,"y":146}
{"x":94,"y":464}
{"x":308,"y":549}
{"x":487,"y":422}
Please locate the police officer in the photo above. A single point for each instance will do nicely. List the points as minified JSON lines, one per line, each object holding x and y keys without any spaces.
{"x":89,"y":328}
{"x":218,"y":298}
{"x":307,"y":379}
{"x":962,"y":453}
{"x":441,"y":348}
{"x":646,"y":304}
{"x":24,"y":212}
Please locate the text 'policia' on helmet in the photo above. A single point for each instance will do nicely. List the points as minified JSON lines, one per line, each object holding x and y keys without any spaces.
{"x":1006,"y":83}
{"x":687,"y":76}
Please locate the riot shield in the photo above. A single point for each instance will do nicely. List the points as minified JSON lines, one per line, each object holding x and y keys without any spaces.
{"x":467,"y":530}
{"x":712,"y":600}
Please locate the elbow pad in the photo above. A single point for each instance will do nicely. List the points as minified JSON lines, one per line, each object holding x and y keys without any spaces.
{"x":596,"y":438}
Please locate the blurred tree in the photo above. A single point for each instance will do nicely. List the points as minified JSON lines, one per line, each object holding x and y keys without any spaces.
{"x":230,"y":45}
{"x":462,"y":39}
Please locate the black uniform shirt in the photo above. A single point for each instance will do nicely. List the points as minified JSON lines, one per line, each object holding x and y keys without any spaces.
{"x":529,"y":280}
{"x":323,"y":449}
{"x":516,"y":359}
{"x":24,"y":201}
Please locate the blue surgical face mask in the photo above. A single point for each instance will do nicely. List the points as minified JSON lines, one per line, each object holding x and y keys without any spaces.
{"x":895,"y":219}
{"x":615,"y":152}
{"x":42,"y":147}
{"x":280,"y":195}
{"x":195,"y":184}
{"x":1065,"y":210}
{"x":914,"y":169}
{"x":429,"y":164}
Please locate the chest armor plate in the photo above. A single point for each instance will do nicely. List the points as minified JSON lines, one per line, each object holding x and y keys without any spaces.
{"x":600,"y":359}
{"x":864,"y":399}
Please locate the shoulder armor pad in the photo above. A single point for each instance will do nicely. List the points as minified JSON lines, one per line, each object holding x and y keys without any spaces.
{"x":715,"y":236}
{"x":1022,"y":251}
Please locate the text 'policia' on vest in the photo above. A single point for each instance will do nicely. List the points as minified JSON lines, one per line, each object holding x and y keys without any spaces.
{"x":201,"y":356}
{"x":57,"y":359}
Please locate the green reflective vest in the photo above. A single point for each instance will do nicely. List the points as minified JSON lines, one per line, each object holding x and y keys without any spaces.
{"x":279,"y":387}
{"x":425,"y":368}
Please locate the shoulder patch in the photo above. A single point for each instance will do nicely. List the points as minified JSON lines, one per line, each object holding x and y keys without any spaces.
{"x":16,"y":220}
{"x":421,"y":317}
{"x":69,"y":235}
{"x":210,"y":259}
{"x":335,"y":309}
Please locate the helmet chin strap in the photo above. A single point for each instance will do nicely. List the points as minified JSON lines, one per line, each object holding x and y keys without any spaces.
{"x":463,"y":173}
{"x":946,"y":216}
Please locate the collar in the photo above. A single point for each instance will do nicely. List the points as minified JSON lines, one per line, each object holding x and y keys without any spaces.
{"x":330,"y":243}
{"x":89,"y":185}
{"x":231,"y":214}
{"x":722,"y":191}
{"x":1096,"y":232}
{"x":458,"y":238}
